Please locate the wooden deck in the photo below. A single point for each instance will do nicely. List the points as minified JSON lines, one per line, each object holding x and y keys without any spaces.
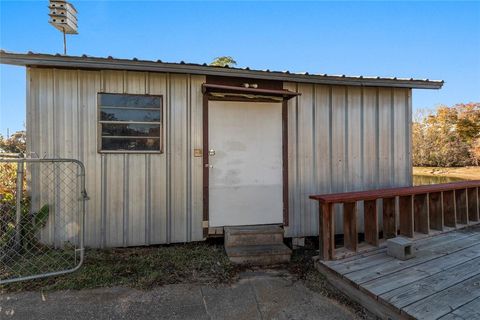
{"x":441,"y":282}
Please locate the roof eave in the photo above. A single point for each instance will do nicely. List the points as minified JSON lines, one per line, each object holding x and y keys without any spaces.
{"x":41,"y":60}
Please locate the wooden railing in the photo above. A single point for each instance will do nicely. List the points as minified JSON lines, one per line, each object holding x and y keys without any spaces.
{"x":421,"y":211}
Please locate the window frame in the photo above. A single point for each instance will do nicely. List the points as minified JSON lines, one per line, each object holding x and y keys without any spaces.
{"x":100,"y":122}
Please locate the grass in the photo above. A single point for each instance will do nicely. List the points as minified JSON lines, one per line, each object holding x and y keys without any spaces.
{"x":38,"y":262}
{"x":147,"y":267}
{"x":469,"y":173}
{"x":142,"y":267}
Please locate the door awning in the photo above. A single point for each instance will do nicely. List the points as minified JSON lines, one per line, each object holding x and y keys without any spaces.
{"x":224,"y":92}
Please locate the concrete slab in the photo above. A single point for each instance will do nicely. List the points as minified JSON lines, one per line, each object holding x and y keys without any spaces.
{"x":231,"y":302}
{"x":257,"y":295}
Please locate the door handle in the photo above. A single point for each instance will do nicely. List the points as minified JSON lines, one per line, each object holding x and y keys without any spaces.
{"x":211,"y":152}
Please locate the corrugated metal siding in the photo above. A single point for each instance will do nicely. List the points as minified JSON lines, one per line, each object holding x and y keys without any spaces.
{"x":341,"y":138}
{"x":135,"y":199}
{"x":344,"y":138}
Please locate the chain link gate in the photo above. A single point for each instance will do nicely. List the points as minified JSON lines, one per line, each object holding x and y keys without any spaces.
{"x":42,"y":209}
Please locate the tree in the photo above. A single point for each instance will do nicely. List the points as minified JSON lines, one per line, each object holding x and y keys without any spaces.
{"x":468,"y":124}
{"x":223,"y":61}
{"x":475,"y":151}
{"x":16,"y":143}
{"x":448,"y":136}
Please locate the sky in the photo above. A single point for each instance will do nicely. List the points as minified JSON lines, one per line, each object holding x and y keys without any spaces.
{"x":434,"y":40}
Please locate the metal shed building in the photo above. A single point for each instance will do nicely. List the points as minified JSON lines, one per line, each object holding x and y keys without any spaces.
{"x":215,"y":146}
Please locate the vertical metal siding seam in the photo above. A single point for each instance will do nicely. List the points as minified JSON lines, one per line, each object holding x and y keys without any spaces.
{"x":55,"y":147}
{"x":146,"y":81}
{"x":168,"y":159}
{"x":79,"y":129}
{"x":346,"y":173}
{"x":188,"y":159}
{"x":103,"y":170}
{"x":314,"y":185}
{"x":377,"y":136}
{"x":54,"y":127}
{"x":301,"y":162}
{"x":330,"y":135}
{"x":125,"y":178}
{"x":28,"y":115}
{"x":392,"y":138}
{"x":103,"y":202}
{"x":74,"y":126}
{"x":80,"y":124}
{"x":297,"y":212}
{"x":409,"y":161}
{"x":362,"y":136}
{"x":148,"y":175}
{"x":148,"y":212}
{"x":125,"y":200}
{"x":124,"y":81}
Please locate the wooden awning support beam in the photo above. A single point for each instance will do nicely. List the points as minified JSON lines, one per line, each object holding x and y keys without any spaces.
{"x":217,"y":91}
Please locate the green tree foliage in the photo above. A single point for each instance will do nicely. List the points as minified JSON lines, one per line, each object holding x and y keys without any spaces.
{"x":16,"y":143}
{"x":448,"y":137}
{"x":223,"y":61}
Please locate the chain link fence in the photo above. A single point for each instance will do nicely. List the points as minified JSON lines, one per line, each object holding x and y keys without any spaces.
{"x":42,"y":208}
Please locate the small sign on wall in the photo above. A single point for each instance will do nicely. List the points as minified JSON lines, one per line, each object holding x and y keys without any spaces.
{"x":197,"y":152}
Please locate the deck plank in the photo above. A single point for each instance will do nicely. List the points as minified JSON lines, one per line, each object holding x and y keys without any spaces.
{"x":408,"y":294}
{"x":417,"y":272}
{"x":420,"y":271}
{"x":445,"y":301}
{"x":470,"y":310}
{"x":437,"y":249}
{"x":380,"y":257}
{"x":443,"y":280}
{"x":454,"y":234}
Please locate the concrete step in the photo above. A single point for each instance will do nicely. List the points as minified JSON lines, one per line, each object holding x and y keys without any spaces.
{"x":253,"y":235}
{"x":260,"y":254}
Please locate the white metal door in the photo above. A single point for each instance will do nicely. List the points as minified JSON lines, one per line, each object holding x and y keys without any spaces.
{"x":245,"y":183}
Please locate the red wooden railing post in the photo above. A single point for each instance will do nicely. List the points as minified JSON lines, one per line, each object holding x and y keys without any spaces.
{"x":327,"y":235}
{"x":350,"y":234}
{"x":461,"y":206}
{"x":389,"y":219}
{"x":449,"y":214}
{"x":435,"y":210}
{"x":421,"y":209}
{"x":405,"y":207}
{"x":472,"y":204}
{"x":370,"y":220}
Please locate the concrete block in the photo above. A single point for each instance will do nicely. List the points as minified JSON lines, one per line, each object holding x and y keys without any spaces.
{"x":401,"y":248}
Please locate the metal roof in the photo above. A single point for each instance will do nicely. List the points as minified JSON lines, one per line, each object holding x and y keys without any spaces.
{"x":89,"y":62}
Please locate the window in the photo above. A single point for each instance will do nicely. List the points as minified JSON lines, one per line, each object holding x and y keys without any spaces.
{"x":130,"y":123}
